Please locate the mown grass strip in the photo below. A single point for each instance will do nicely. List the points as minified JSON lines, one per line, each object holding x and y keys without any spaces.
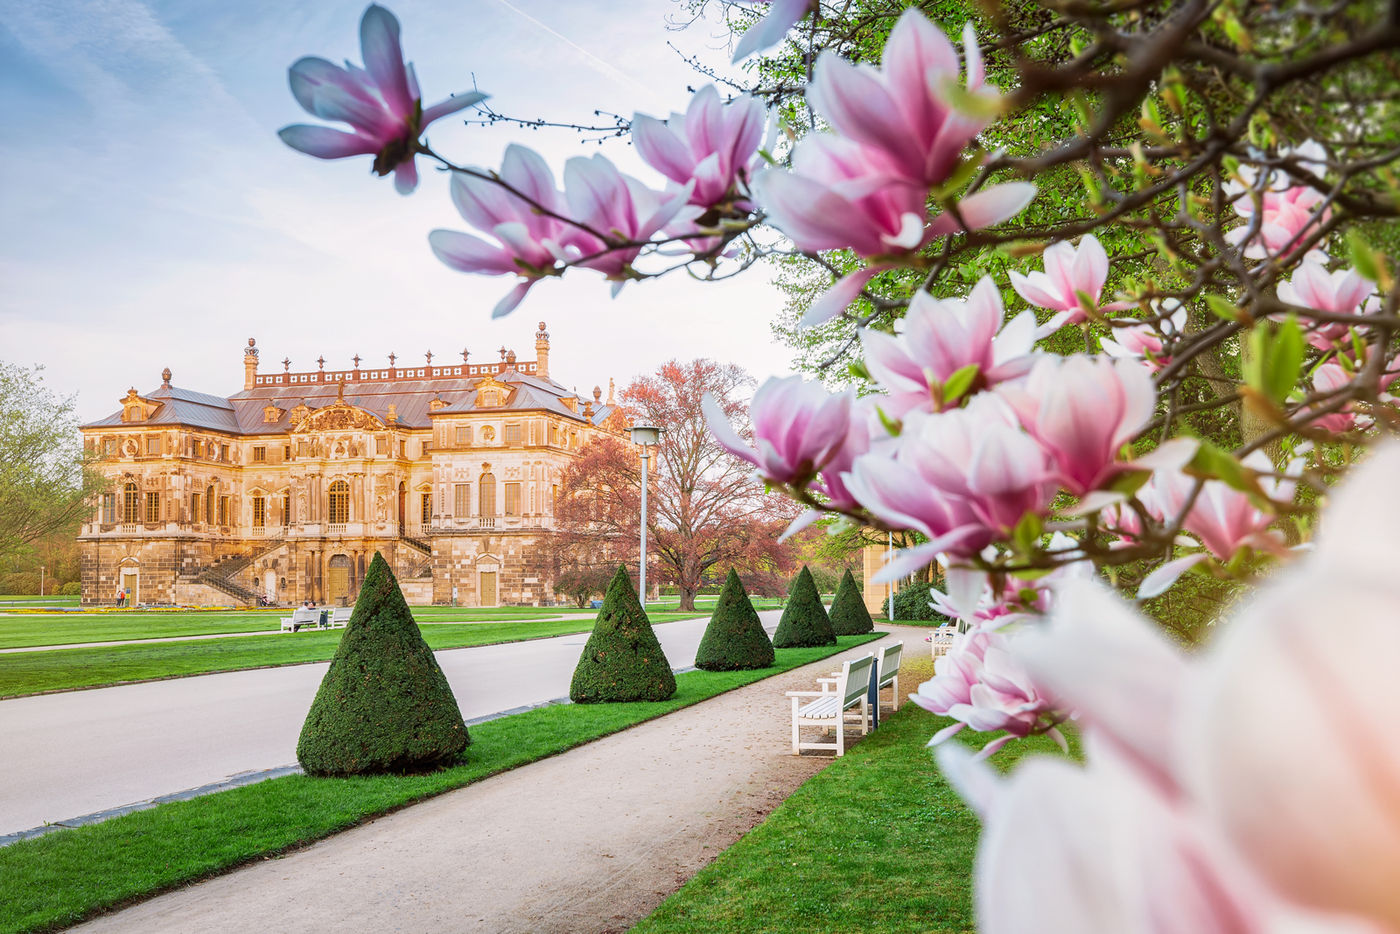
{"x":878,"y":841}
{"x":60,"y":879}
{"x":24,"y":673}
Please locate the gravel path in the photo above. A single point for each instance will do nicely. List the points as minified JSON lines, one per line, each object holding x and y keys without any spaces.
{"x":588,"y":841}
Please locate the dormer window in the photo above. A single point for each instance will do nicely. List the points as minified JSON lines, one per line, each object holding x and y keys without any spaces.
{"x":271,"y":414}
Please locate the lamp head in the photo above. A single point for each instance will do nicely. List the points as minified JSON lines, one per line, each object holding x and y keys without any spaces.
{"x":646,"y":434}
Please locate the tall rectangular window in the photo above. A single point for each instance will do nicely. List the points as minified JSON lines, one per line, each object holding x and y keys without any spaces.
{"x":464,"y":434}
{"x":287,"y":508}
{"x":425,"y":506}
{"x":461,"y":499}
{"x":153,"y":444}
{"x":152,"y":507}
{"x":513,"y":433}
{"x":194,"y":507}
{"x":109,"y":507}
{"x":259,"y":512}
{"x":287,"y":452}
{"x":223,"y":453}
{"x":512,"y":499}
{"x":381,"y":445}
{"x":260,"y":454}
{"x":223,"y":510}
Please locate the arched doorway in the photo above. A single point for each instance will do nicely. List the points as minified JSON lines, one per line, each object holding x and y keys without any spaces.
{"x":129,"y":574}
{"x":338,"y":580}
{"x":487,"y":584}
{"x":403,"y":508}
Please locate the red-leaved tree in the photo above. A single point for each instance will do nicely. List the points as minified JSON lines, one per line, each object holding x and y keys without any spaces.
{"x":707,"y":511}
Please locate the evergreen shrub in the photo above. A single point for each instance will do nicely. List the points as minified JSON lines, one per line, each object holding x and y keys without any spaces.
{"x":849,"y":617}
{"x":804,"y":621}
{"x":735,"y":639}
{"x":384,"y":705}
{"x":623,"y":660}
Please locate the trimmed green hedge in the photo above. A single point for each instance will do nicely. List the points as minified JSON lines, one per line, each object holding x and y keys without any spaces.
{"x":623,"y":660}
{"x":384,"y":705}
{"x":849,"y":617}
{"x":735,"y":639}
{"x":804,"y":621}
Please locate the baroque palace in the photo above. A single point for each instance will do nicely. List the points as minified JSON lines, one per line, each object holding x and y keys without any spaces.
{"x":285,"y":490}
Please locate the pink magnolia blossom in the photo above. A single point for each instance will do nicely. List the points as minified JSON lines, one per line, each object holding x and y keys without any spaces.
{"x":615,"y":206}
{"x":1343,"y":292}
{"x":528,"y":241}
{"x":964,"y":478}
{"x":903,"y":110}
{"x":1223,"y":518}
{"x":712,"y":144}
{"x":1287,"y":213}
{"x":982,"y":686}
{"x":798,"y":427}
{"x":1251,"y":788}
{"x":769,"y":31}
{"x":941,"y":337}
{"x":1068,"y":272}
{"x":1147,"y":342}
{"x":380,"y":102}
{"x":1083,"y":410}
{"x":1332,"y":377}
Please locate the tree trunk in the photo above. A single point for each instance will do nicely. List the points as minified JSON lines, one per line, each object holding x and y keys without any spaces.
{"x":688,"y":596}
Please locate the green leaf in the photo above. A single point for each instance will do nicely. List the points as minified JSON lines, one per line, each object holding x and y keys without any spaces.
{"x":1026,"y":533}
{"x":1222,"y":307}
{"x":959,"y":383}
{"x":893,"y":425}
{"x":1364,"y":257}
{"x":1212,"y":461}
{"x":1284,"y":363}
{"x":858,"y":370}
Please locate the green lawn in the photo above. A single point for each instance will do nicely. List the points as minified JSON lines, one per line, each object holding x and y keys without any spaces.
{"x":878,"y":841}
{"x":49,"y":599}
{"x":30,"y":630}
{"x":61,"y":878}
{"x":64,"y":669}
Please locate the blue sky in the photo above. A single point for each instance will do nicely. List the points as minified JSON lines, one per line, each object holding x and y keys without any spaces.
{"x":152,"y":218}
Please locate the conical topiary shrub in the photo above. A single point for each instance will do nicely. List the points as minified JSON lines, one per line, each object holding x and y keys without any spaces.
{"x":804,"y":621}
{"x":849,"y":617}
{"x":384,"y":705}
{"x":623,"y":660}
{"x":735,"y":638}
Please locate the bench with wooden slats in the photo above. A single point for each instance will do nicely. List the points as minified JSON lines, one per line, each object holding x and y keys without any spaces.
{"x":828,"y":708}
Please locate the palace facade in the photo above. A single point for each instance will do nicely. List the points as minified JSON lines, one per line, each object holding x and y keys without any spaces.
{"x":286,"y":489}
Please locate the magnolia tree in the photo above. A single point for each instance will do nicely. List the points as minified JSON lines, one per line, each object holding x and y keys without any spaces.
{"x":1187,"y":203}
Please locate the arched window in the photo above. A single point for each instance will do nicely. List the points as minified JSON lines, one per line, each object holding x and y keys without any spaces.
{"x":487,"y":496}
{"x":209,"y":505}
{"x":339,"y":512}
{"x":131,"y":502}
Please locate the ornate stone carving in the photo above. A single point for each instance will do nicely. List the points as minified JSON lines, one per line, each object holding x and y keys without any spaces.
{"x":338,"y":416}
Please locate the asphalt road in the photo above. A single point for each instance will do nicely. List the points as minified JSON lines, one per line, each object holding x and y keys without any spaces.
{"x":71,"y":754}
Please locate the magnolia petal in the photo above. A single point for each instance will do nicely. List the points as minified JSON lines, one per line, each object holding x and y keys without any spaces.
{"x":383,"y":53}
{"x":803,"y":521}
{"x":769,"y":31}
{"x":456,"y":102}
{"x":1161,"y":580}
{"x":512,"y":299}
{"x":723,"y":431}
{"x":989,"y":206}
{"x":323,"y":142}
{"x":1101,"y":659}
{"x":836,"y":299}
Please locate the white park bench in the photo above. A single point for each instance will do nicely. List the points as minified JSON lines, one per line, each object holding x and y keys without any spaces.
{"x":888,"y":669}
{"x":301,"y":619}
{"x":828,"y":708}
{"x":942,"y":639}
{"x":340,"y":616}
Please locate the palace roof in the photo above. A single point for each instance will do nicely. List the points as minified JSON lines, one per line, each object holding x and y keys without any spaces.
{"x":246,"y":412}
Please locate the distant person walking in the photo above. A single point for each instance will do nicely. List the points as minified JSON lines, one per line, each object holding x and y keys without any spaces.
{"x":121,"y":596}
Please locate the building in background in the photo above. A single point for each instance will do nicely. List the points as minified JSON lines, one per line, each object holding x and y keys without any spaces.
{"x":285,"y":490}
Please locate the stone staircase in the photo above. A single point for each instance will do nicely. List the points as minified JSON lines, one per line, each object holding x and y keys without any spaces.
{"x":220,"y":574}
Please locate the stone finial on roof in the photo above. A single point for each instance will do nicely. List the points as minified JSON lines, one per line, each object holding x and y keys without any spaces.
{"x":542,"y":334}
{"x":392,"y":417}
{"x":321,"y":361}
{"x":598,"y":394}
{"x":465,"y":354}
{"x":610,"y":391}
{"x":429,"y":357}
{"x":356,"y":360}
{"x":250,"y":364}
{"x":510,"y":358}
{"x":286,"y":364}
{"x":340,"y":390}
{"x":392,"y":358}
{"x":165,"y":378}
